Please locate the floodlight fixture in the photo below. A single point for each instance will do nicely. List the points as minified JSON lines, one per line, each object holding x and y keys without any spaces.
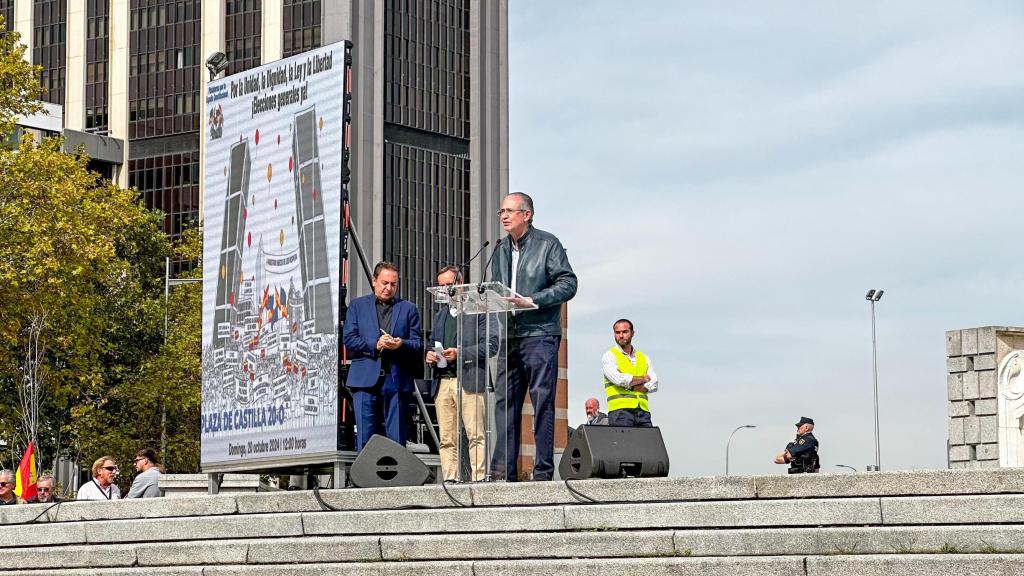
{"x":217,"y":63}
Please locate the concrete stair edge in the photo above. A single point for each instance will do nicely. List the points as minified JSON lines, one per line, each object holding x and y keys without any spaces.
{"x":841,"y":565}
{"x":697,"y":489}
{"x":767,"y":514}
{"x":808,"y":542}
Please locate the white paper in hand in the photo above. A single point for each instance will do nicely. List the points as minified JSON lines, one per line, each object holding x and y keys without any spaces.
{"x":441,"y":361}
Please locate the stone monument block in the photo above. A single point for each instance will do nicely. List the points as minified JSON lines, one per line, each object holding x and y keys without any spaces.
{"x":958,"y":364}
{"x":985,"y":389}
{"x":972,"y":430}
{"x":969,"y":341}
{"x":986,"y":407}
{"x":986,"y":340}
{"x":987,"y":430}
{"x":955,"y":387}
{"x":959,"y":409}
{"x":953,"y":343}
{"x":970,"y":385}
{"x":987,"y":452}
{"x":985,"y":362}
{"x":960,"y":453}
{"x":956,"y":431}
{"x":987,"y":384}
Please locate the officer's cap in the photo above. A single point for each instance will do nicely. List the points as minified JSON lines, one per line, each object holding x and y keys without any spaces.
{"x":805,"y":420}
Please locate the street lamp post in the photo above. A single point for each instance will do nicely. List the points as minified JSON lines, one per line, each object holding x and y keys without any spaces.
{"x":845,"y":466}
{"x":738,"y":428}
{"x":874,"y":296}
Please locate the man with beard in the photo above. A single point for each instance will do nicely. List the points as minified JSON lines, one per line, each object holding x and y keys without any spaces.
{"x":628,"y":378}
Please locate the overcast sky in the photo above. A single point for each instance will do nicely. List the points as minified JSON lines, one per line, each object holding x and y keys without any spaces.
{"x":734,"y":176}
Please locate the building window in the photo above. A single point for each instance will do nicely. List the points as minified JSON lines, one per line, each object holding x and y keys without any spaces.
{"x":163,"y":68}
{"x":169,"y":183}
{"x":300,"y":26}
{"x":49,"y":31}
{"x":242,"y":21}
{"x":97,"y":63}
{"x":426,"y":65}
{"x":426,"y":215}
{"x":7,"y":11}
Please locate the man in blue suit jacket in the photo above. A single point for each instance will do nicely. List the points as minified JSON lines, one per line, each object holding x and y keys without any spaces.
{"x":382,"y":337}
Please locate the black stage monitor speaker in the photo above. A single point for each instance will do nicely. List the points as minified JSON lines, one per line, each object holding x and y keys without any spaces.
{"x":384,"y":463}
{"x":614,"y":452}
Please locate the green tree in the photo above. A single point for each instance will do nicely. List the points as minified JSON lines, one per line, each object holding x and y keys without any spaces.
{"x":83,"y":361}
{"x":19,"y":87}
{"x":157,"y":397}
{"x":68,"y":245}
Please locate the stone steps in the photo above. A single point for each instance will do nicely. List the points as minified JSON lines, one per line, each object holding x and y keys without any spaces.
{"x":883,"y":523}
{"x":838,"y":565}
{"x":710,"y":488}
{"x":551,"y":545}
{"x":885,"y":511}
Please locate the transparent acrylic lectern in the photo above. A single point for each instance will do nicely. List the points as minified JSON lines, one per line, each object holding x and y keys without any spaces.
{"x":481,"y":314}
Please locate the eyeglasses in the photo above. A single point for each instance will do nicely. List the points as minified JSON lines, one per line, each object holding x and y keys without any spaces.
{"x":139,"y":459}
{"x":6,"y":484}
{"x":509,"y":211}
{"x":110,"y":468}
{"x":44,"y":489}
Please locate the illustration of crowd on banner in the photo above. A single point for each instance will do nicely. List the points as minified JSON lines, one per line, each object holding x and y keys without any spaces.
{"x":25,"y":486}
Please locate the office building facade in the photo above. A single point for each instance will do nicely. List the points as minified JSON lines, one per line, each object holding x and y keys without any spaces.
{"x":430,"y":107}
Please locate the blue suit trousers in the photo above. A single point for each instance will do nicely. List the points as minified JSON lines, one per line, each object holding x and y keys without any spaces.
{"x":381,"y":409}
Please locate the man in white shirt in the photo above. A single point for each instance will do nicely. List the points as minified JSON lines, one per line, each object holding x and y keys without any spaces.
{"x":629,"y":377}
{"x":102,"y":486}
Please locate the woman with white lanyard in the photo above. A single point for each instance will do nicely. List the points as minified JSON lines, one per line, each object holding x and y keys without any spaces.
{"x":102,"y":486}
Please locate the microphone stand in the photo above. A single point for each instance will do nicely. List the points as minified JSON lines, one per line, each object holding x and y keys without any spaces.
{"x":465,"y":266}
{"x":483,"y":271}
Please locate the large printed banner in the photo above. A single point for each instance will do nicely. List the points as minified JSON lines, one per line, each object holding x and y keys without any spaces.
{"x":270,"y":259}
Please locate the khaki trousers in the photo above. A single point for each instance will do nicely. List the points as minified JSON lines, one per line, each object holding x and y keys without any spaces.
{"x":447,"y":406}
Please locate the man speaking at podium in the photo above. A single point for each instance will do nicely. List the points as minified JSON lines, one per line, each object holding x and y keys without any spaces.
{"x":533,"y":264}
{"x":382,"y":337}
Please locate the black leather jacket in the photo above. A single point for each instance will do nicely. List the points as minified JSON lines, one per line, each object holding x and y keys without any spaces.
{"x":543,"y":274}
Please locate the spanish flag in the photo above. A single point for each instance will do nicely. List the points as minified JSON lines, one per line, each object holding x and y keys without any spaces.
{"x":25,"y":482}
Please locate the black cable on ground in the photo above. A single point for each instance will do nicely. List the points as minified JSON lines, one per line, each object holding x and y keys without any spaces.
{"x":452,"y":497}
{"x":579,"y":496}
{"x":324,"y":505}
{"x":47,"y":509}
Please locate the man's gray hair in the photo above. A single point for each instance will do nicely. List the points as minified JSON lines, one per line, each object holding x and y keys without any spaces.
{"x":47,"y":478}
{"x":525,"y":202}
{"x":7,"y":473}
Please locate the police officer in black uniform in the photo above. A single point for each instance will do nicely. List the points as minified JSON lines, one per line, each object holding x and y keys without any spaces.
{"x":801,"y":454}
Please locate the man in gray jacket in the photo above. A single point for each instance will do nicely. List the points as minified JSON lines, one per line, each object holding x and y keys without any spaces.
{"x":146,"y":484}
{"x":532,"y":263}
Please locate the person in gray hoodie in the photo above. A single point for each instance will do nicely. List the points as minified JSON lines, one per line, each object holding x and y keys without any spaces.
{"x":146,"y":483}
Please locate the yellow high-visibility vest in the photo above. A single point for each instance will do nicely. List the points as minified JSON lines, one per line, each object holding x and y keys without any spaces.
{"x":624,"y":398}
